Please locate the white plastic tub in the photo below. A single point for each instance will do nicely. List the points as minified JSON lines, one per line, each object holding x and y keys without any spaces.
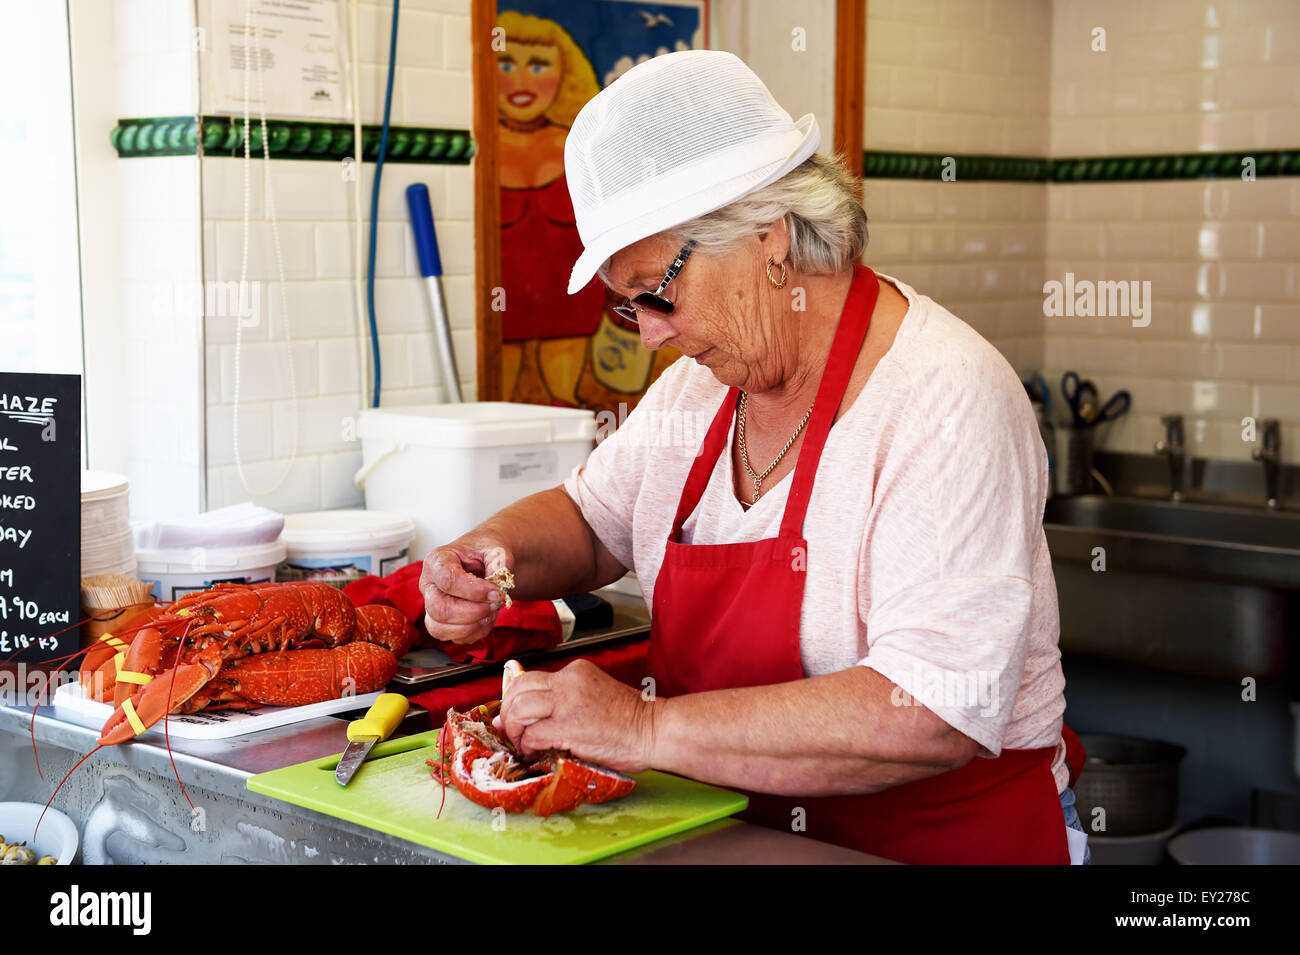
{"x":450,"y":467}
{"x":338,"y":547}
{"x":175,"y":572}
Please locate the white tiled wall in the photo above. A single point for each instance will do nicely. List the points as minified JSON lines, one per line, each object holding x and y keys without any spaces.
{"x":967,"y":77}
{"x":296,"y":432}
{"x":160,"y":259}
{"x":970,"y":76}
{"x":156,"y":70}
{"x":1224,"y":338}
{"x":1020,"y":77}
{"x":313,"y":203}
{"x":791,"y":46}
{"x":1175,"y":76}
{"x":976,"y":248}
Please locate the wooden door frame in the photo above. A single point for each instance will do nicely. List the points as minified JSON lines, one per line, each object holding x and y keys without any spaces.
{"x":850,"y":87}
{"x":850,"y":81}
{"x":487,"y":201}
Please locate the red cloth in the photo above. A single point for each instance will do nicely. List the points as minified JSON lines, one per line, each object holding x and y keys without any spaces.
{"x":524,"y":625}
{"x":625,"y":662}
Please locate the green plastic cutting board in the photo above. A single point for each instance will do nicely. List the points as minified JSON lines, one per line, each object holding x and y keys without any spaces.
{"x":394,"y":793}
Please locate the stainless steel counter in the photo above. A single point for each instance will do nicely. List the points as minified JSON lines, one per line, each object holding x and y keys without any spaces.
{"x":129,"y":808}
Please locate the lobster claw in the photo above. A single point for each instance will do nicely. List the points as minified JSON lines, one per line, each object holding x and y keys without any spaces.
{"x":136,"y":714}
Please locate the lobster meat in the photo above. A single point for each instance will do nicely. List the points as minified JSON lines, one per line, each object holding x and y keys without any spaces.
{"x":485,"y":767}
{"x":237,"y":646}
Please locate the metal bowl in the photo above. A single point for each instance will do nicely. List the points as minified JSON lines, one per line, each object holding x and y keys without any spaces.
{"x":1236,"y":846}
{"x":1134,"y":780}
{"x":1146,"y":849}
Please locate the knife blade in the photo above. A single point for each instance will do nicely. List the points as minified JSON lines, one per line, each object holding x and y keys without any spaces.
{"x":380,"y":720}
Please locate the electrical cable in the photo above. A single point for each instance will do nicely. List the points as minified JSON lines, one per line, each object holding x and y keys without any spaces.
{"x":358,"y":214}
{"x":374,"y":203}
{"x":250,"y":39}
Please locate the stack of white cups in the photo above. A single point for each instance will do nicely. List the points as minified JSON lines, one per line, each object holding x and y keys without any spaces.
{"x":107,"y":544}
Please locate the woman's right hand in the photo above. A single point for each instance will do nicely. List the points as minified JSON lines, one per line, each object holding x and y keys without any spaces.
{"x":459,"y":605}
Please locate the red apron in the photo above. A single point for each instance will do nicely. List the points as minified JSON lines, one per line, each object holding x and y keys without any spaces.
{"x":727,"y":615}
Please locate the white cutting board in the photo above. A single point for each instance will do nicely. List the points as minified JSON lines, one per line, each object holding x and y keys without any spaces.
{"x":71,"y":705}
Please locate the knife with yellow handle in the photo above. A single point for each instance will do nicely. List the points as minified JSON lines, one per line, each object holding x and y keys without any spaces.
{"x":378,"y":724}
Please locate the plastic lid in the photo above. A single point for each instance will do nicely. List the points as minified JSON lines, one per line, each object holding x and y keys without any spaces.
{"x":208,"y":560}
{"x":478,"y":424}
{"x":98,"y":485}
{"x":341,"y":531}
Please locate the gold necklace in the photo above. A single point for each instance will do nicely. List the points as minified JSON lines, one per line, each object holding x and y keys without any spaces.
{"x":744,"y":452}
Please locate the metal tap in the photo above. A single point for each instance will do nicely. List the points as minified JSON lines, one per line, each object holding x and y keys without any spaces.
{"x":1270,"y":453}
{"x":1172,"y":445}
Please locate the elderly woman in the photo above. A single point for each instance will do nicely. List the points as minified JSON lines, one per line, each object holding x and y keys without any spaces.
{"x":854,"y":615}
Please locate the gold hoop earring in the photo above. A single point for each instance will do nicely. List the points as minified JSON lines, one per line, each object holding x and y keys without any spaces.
{"x":770,"y":278}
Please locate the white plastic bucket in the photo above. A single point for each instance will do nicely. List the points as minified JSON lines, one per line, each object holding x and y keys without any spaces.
{"x":450,"y":467}
{"x":338,"y":547}
{"x":175,"y":572}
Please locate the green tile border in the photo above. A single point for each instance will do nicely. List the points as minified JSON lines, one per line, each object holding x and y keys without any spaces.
{"x":883,"y":164}
{"x":289,"y":139}
{"x":1221,"y":165}
{"x":897,"y":165}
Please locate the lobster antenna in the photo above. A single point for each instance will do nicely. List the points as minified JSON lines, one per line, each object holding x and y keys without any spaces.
{"x":35,"y":754}
{"x":442,"y":765}
{"x":167,"y":736}
{"x":184,"y":636}
{"x":60,"y":786}
{"x":9,"y":659}
{"x":60,"y":662}
{"x":40,"y":695}
{"x":89,"y":619}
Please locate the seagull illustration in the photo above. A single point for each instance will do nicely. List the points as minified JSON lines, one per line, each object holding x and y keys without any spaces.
{"x":653,"y":20}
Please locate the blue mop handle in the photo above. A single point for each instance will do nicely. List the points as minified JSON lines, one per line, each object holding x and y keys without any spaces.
{"x":426,"y":240}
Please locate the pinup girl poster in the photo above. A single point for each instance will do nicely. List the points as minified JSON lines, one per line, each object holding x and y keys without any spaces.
{"x":560,"y":349}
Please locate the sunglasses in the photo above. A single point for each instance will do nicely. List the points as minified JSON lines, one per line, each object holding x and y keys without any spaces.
{"x":654,"y":301}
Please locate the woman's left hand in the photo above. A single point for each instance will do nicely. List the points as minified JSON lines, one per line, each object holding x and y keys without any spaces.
{"x":583,"y":710}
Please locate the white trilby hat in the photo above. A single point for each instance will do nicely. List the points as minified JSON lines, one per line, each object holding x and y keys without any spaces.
{"x":674,"y":137}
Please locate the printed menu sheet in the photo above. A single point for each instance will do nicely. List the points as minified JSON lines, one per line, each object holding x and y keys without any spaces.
{"x":295,"y":49}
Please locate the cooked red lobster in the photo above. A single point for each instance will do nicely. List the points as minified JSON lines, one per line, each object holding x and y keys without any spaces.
{"x":480,"y":761}
{"x":237,"y":646}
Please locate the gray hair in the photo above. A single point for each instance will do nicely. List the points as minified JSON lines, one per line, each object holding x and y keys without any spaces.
{"x":817,"y":200}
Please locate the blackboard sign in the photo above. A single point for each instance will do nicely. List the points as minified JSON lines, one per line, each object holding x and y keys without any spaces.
{"x":40,"y":515}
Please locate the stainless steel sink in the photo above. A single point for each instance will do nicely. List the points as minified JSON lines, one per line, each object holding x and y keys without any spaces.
{"x":1204,"y":589}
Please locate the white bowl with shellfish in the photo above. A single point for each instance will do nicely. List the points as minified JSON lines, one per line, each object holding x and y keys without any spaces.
{"x":55,"y":842}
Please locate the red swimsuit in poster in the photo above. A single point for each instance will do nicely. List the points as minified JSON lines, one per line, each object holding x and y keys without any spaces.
{"x":539,"y":241}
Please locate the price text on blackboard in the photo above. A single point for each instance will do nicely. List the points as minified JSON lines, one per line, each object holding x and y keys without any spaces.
{"x":40,"y":515}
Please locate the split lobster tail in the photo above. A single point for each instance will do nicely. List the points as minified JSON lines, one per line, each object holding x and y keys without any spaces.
{"x":485,"y":769}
